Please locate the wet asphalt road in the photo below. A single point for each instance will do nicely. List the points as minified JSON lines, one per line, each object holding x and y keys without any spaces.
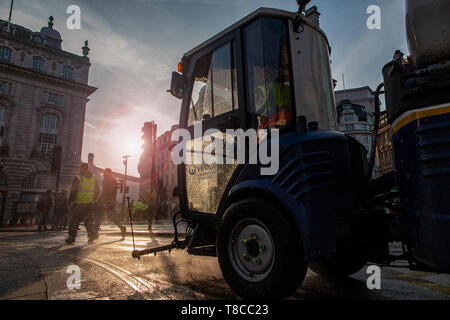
{"x":34,"y":266}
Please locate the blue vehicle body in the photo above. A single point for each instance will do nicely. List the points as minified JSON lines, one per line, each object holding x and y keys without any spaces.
{"x":422,"y":158}
{"x":316,"y":186}
{"x":418,"y":108}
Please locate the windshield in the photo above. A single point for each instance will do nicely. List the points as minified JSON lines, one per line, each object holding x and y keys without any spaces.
{"x":215,"y":87}
{"x":268,"y":73}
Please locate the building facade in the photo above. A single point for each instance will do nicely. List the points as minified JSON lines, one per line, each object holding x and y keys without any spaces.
{"x":355,"y":112}
{"x":146,"y":160}
{"x":43,"y":95}
{"x":355,"y":116}
{"x":158,"y":172}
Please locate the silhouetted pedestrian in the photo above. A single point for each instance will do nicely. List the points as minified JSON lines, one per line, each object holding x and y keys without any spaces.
{"x":61,"y":210}
{"x":83,"y":194}
{"x":44,"y":206}
{"x":107,"y":204}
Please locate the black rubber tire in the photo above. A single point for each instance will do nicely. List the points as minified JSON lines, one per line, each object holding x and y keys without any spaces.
{"x":289,"y":266}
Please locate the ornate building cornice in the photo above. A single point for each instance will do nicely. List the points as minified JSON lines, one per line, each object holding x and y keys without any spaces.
{"x":42,"y":76}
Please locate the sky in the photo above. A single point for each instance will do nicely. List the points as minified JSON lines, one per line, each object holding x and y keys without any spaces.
{"x":136,"y":44}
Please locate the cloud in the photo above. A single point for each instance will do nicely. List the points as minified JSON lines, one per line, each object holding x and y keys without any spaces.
{"x":135,"y":45}
{"x":363,"y":53}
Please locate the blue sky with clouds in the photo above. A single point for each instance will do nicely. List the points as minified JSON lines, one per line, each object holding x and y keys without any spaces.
{"x":136,"y":44}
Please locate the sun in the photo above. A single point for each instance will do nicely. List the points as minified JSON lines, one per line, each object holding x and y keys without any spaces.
{"x":127,"y":145}
{"x":131,"y":146}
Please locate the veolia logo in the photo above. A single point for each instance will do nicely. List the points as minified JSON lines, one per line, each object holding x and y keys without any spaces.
{"x":214,"y":147}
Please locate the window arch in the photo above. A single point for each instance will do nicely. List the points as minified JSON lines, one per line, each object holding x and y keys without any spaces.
{"x":67,"y":72}
{"x":38,"y":180}
{"x":48,"y":134}
{"x":38,"y":63}
{"x":5,"y":54}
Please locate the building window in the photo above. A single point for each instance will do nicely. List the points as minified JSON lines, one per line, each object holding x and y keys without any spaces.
{"x":48,"y":134}
{"x":47,"y":141}
{"x":365,"y":139}
{"x":3,"y":121}
{"x":49,"y":122}
{"x":349,"y":127}
{"x":348,"y":117}
{"x":5,"y":87}
{"x":41,"y":183}
{"x":5,"y":54}
{"x":56,"y":99}
{"x":38,"y":63}
{"x":28,"y":183}
{"x":67,"y":72}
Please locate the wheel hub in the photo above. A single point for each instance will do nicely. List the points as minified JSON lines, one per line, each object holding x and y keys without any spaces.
{"x":252,"y":250}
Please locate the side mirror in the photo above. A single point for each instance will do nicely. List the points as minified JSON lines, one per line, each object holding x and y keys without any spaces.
{"x":177,"y":85}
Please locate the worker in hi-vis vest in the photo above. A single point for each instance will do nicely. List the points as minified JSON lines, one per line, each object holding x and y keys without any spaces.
{"x":276,"y":107}
{"x":83,"y":194}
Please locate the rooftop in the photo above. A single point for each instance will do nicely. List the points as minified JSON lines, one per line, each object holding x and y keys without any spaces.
{"x":47,"y":37}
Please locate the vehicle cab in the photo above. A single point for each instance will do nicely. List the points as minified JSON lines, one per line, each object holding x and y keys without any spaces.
{"x":269,"y":71}
{"x":265,"y":71}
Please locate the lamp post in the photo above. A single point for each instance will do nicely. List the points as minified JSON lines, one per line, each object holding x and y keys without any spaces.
{"x":125,"y":162}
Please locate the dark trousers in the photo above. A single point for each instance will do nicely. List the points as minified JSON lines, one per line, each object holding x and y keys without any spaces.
{"x":43,"y":219}
{"x":110,"y":213}
{"x":60,"y":219}
{"x":81,"y":212}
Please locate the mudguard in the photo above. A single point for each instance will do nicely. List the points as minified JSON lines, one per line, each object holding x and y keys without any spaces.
{"x":317,"y":186}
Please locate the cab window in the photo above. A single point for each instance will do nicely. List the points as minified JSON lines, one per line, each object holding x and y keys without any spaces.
{"x":214,"y":91}
{"x":268,"y":74}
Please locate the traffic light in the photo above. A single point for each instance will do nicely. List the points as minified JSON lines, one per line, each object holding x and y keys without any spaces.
{"x":56,"y":158}
{"x":121,"y":186}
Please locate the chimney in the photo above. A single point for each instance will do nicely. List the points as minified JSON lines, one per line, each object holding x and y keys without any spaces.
{"x":312,"y":16}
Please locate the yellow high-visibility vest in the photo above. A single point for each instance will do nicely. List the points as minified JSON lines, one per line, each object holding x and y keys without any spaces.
{"x":280,"y":93}
{"x":86,"y":191}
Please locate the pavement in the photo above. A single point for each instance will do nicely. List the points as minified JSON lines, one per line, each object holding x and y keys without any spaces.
{"x":38,"y":266}
{"x":161,"y":228}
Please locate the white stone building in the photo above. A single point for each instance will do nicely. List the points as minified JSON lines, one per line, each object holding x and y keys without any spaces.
{"x":355,"y":114}
{"x":43,"y":95}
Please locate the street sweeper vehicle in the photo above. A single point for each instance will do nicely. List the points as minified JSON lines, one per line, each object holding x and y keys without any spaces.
{"x":316,"y":203}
